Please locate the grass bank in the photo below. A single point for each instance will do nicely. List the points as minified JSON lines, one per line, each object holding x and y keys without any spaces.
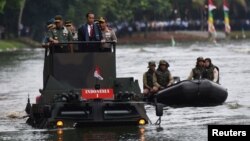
{"x":7,"y":45}
{"x":14,"y":44}
{"x":240,"y":35}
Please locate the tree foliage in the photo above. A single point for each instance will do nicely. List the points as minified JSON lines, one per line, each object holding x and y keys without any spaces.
{"x":36,"y":13}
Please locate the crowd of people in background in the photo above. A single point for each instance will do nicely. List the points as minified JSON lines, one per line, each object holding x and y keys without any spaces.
{"x":128,"y":28}
{"x":125,"y":28}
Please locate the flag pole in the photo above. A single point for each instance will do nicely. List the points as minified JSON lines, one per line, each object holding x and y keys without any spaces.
{"x":226,"y":18}
{"x":211,"y":28}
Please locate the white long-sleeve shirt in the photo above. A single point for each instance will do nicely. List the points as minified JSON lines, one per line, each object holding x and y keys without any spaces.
{"x":216,"y":75}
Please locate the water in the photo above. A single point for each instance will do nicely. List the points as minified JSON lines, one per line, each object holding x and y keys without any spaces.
{"x":21,"y":74}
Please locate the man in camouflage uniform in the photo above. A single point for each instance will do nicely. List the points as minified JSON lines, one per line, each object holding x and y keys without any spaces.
{"x":198,"y":71}
{"x":211,"y":71}
{"x":60,"y":34}
{"x":49,"y":27}
{"x":69,"y":25}
{"x":163,"y":75}
{"x":149,"y":80}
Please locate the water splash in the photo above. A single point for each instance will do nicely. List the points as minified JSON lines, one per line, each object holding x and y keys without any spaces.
{"x":234,"y":105}
{"x":16,"y":115}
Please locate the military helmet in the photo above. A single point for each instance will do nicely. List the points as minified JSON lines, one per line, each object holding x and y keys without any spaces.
{"x":163,"y":62}
{"x":200,"y":59}
{"x":151,"y":63}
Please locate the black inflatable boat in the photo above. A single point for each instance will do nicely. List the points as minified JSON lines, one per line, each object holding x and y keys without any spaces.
{"x":201,"y":92}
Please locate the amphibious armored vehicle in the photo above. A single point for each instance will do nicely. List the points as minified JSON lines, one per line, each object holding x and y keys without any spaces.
{"x":82,"y":88}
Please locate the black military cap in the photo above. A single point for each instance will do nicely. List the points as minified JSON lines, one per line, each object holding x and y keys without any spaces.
{"x":68,"y":23}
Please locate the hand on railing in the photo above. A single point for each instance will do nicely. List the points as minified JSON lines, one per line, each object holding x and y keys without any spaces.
{"x":55,"y":42}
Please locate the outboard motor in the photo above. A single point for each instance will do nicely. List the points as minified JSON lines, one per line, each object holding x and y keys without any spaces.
{"x":158,"y":111}
{"x":28,"y":106}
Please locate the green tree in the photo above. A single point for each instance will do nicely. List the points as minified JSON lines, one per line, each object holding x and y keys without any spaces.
{"x":121,"y":10}
{"x":22,"y":5}
{"x":152,"y":9}
{"x":2,"y":5}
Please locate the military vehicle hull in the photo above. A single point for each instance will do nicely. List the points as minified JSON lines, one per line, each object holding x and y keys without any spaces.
{"x":193,"y":93}
{"x":90,"y":113}
{"x":82,"y":89}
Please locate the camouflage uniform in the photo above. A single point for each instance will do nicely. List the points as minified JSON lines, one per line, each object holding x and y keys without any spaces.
{"x":198,"y":71}
{"x":149,"y":79}
{"x":50,"y":27}
{"x":211,"y":72}
{"x":69,"y":25}
{"x":60,"y":34}
{"x":164,"y":77}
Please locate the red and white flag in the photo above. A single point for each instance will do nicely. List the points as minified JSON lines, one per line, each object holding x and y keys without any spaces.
{"x":211,"y":5}
{"x":97,"y":73}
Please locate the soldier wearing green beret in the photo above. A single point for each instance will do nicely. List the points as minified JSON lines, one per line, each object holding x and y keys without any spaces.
{"x":60,"y":34}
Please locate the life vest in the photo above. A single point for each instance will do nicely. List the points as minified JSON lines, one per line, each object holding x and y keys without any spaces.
{"x":163,"y":77}
{"x":149,"y":76}
{"x":209,"y":73}
{"x":198,"y":73}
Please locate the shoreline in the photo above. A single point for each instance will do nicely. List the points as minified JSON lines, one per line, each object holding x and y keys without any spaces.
{"x":152,"y":37}
{"x":179,"y":36}
{"x":10,"y":45}
{"x":158,"y":37}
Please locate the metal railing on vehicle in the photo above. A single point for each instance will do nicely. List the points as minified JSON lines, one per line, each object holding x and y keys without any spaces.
{"x":113,"y":44}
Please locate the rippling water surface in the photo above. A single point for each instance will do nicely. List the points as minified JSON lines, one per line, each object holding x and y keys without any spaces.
{"x":21,"y":74}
